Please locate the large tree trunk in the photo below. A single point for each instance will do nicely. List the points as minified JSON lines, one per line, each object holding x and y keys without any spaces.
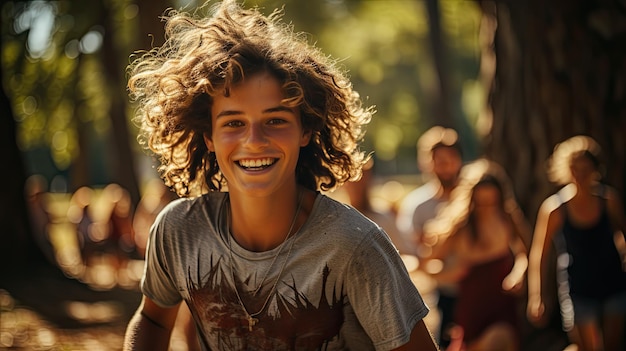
{"x":123,"y":159}
{"x":560,"y":70}
{"x":151,"y":27}
{"x":441,"y":105}
{"x":18,"y":249}
{"x":150,"y":34}
{"x":555,"y":69}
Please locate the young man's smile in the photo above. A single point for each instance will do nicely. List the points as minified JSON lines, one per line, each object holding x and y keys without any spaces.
{"x":256,"y":164}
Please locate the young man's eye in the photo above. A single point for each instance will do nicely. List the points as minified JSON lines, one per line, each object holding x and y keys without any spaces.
{"x":276,"y":121}
{"x":233,"y":124}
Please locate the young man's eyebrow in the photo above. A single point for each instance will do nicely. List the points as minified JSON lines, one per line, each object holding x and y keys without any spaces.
{"x":278,"y":109}
{"x":269,"y":110}
{"x":228,"y":113}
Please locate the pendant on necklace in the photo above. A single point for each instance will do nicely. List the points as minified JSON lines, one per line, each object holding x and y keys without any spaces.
{"x":251,"y":322}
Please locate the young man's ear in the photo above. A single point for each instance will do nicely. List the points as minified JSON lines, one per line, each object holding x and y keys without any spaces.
{"x":305,"y":139}
{"x":208,"y":142}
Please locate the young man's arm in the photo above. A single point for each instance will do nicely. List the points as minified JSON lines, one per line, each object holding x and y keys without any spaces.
{"x":151,"y":327}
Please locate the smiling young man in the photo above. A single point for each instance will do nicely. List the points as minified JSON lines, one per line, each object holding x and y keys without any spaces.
{"x":251,"y":123}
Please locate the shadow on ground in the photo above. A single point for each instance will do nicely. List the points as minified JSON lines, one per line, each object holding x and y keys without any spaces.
{"x":42,"y":308}
{"x":67,"y":302}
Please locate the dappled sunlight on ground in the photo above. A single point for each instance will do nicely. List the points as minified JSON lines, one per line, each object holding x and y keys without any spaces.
{"x":23,"y":329}
{"x":104,"y":324}
{"x":84,"y":303}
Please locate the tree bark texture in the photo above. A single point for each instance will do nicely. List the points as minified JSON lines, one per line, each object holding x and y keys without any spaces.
{"x":560,"y":71}
{"x":554,"y":69}
{"x":440,"y":111}
{"x":123,"y":160}
{"x":151,"y":32}
{"x":17,"y":246}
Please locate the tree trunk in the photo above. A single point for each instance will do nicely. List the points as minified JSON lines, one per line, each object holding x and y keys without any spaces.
{"x":440,"y":109}
{"x":81,"y":174}
{"x":554,"y":70}
{"x":18,"y":249}
{"x":560,"y":70}
{"x":123,"y":159}
{"x":151,"y":28}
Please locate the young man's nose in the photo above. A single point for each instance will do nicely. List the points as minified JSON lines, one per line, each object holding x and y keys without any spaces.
{"x":256,"y":135}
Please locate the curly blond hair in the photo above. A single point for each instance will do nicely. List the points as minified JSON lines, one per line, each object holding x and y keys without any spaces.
{"x":206,"y":55}
{"x":558,"y":165}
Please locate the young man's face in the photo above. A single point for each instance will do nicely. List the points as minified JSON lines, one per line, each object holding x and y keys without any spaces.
{"x":256,"y":139}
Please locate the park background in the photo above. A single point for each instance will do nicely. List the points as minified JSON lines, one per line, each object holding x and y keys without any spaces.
{"x":514,"y":78}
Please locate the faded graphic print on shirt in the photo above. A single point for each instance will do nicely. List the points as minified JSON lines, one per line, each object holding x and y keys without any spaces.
{"x":289,"y":321}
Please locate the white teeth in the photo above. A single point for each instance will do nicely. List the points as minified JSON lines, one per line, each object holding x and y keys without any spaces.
{"x":256,"y":163}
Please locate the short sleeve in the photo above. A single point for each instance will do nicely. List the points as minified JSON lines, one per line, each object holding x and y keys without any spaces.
{"x":157,"y":283}
{"x":385,"y":300}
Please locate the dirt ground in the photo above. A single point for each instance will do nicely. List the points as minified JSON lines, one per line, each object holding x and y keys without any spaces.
{"x":45,"y":310}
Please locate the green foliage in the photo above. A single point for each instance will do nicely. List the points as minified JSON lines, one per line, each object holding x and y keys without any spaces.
{"x":59,"y":89}
{"x":53,"y":73}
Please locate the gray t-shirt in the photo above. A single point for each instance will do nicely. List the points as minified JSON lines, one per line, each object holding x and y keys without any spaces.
{"x":344,"y":286}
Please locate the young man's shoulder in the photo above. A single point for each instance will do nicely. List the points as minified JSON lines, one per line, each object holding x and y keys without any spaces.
{"x":185,"y":205}
{"x":331,"y":206}
{"x":341,"y":216}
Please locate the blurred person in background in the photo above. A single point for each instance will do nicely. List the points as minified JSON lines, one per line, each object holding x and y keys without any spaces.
{"x":440,"y":158}
{"x":36,"y":188}
{"x":154,"y":198}
{"x":80,"y":214}
{"x":103,"y":224}
{"x":360,"y":197}
{"x":120,"y":241}
{"x":584,"y":221}
{"x":483,"y":228}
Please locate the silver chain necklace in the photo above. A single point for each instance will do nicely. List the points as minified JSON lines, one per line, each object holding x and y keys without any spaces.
{"x":251,"y":317}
